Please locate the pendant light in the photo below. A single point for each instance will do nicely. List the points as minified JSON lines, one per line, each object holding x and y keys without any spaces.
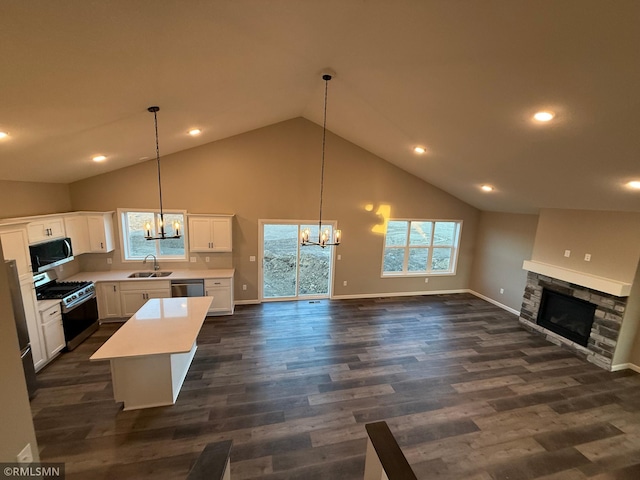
{"x":324,"y":239}
{"x":147,"y":227}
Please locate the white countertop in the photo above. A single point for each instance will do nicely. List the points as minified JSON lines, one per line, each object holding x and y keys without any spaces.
{"x":122,"y":275}
{"x":46,"y":304}
{"x":161,"y":326}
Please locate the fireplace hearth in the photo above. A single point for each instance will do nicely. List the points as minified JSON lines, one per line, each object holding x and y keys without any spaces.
{"x":561,"y":326}
{"x":567,"y":316}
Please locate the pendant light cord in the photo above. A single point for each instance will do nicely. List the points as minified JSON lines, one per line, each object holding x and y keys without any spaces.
{"x":155,"y":121}
{"x":324,"y":136}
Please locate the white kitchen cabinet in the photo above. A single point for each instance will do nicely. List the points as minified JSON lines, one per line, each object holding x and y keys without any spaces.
{"x":33,"y":323}
{"x":221,"y":289}
{"x":45,"y":229}
{"x":210,"y":233}
{"x":109,"y":300}
{"x":100,"y":233}
{"x":90,"y":233}
{"x":78,"y":231}
{"x":134,"y":295}
{"x":15,"y":246}
{"x":52,"y":331}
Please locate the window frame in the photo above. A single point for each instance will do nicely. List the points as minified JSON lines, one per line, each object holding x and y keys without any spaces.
{"x":455,"y":248}
{"x":123,"y":226}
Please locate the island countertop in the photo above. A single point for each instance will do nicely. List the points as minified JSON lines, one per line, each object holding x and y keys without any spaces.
{"x":162,"y":326}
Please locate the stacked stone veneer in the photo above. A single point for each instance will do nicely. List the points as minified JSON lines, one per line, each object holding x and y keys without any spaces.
{"x":606,"y":323}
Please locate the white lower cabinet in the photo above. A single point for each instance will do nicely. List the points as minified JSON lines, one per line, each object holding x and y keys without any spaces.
{"x":221,"y":289}
{"x":109,"y":300}
{"x":52,"y":331}
{"x":33,"y":323}
{"x":134,"y":295}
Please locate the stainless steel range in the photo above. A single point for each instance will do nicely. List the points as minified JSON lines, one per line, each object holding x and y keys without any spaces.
{"x":79,"y":306}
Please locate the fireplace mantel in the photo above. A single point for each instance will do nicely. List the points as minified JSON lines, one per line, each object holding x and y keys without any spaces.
{"x":601,"y":284}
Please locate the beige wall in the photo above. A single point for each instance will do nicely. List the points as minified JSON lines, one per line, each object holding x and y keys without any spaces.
{"x":18,"y":199}
{"x":15,"y":412}
{"x":273,"y":173}
{"x":503,"y":242}
{"x":610,"y":237}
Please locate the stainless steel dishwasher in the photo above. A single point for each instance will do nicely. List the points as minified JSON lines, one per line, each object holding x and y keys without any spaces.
{"x":187,"y":288}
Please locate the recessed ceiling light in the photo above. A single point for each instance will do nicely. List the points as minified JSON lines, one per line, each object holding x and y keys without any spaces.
{"x":487,"y":188}
{"x":420,"y":150}
{"x":99,"y":158}
{"x":195,"y":131}
{"x":4,"y":134}
{"x":544,"y":116}
{"x":634,"y":184}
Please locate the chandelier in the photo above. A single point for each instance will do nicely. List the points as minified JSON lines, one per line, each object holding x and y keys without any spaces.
{"x":324,"y":239}
{"x":161,"y":226}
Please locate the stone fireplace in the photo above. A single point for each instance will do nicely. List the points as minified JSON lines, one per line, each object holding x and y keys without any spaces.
{"x":586,"y":321}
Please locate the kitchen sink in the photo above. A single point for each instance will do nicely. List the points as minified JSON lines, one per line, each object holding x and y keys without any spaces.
{"x":149,"y":274}
{"x":161,"y":274}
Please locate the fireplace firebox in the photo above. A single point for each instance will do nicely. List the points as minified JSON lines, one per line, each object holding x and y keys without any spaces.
{"x":567,"y":316}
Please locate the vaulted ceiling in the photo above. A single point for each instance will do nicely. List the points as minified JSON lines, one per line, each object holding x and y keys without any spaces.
{"x":461,"y":78}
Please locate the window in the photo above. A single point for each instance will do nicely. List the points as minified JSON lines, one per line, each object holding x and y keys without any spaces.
{"x":420,"y":247}
{"x":136,"y":246}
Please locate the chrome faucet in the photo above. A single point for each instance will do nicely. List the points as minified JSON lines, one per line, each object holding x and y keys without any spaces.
{"x":155,"y":261}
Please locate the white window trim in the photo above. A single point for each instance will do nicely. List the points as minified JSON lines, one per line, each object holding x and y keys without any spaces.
{"x":125,"y":244}
{"x":406,"y":274}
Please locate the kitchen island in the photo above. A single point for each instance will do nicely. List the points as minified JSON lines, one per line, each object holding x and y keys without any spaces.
{"x":151,"y":353}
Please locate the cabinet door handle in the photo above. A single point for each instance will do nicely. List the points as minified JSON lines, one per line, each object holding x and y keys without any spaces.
{"x":101,"y":246}
{"x":53,"y":313}
{"x":114,"y":288}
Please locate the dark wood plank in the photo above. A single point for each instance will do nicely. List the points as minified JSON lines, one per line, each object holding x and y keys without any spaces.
{"x":466,"y":392}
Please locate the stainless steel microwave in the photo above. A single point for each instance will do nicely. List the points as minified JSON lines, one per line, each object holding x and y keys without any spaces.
{"x":47,"y":255}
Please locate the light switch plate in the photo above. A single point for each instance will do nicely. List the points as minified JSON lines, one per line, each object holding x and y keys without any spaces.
{"x":193,"y":259}
{"x":567,"y":253}
{"x":252,"y":258}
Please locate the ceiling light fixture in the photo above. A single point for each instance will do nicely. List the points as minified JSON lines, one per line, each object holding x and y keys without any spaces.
{"x":194,"y":132}
{"x":544,"y":116}
{"x":3,"y":135}
{"x":99,"y":158}
{"x":635,"y":184}
{"x":160,"y":227}
{"x":487,"y":188}
{"x":323,"y":237}
{"x":419,"y":150}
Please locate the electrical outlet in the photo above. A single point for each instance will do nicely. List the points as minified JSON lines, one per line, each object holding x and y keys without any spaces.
{"x":426,"y":280}
{"x":109,"y":261}
{"x":193,"y":259}
{"x":502,"y":290}
{"x":206,"y":259}
{"x":244,"y":287}
{"x":61,"y":268}
{"x":252,"y":258}
{"x":344,"y":284}
{"x":587,"y":257}
{"x":26,"y":455}
{"x":339,"y":257}
{"x":567,"y":253}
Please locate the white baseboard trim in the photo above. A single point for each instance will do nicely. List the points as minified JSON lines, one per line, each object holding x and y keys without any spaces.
{"x":496,"y":303}
{"x":624,"y":366}
{"x":247,"y":302}
{"x":396,"y":294}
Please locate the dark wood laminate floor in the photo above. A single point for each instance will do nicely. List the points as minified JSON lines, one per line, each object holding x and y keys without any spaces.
{"x":466,"y":391}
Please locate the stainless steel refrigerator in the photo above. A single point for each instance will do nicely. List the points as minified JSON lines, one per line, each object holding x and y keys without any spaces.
{"x":21,"y":326}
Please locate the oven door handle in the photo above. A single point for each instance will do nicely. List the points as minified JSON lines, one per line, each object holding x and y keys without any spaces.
{"x":66,"y":309}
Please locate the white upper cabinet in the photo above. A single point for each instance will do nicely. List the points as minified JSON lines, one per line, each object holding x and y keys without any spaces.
{"x":210,"y":233}
{"x":77,"y":231}
{"x":90,"y":233}
{"x":101,"y":233}
{"x":45,"y":229}
{"x":15,"y":246}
